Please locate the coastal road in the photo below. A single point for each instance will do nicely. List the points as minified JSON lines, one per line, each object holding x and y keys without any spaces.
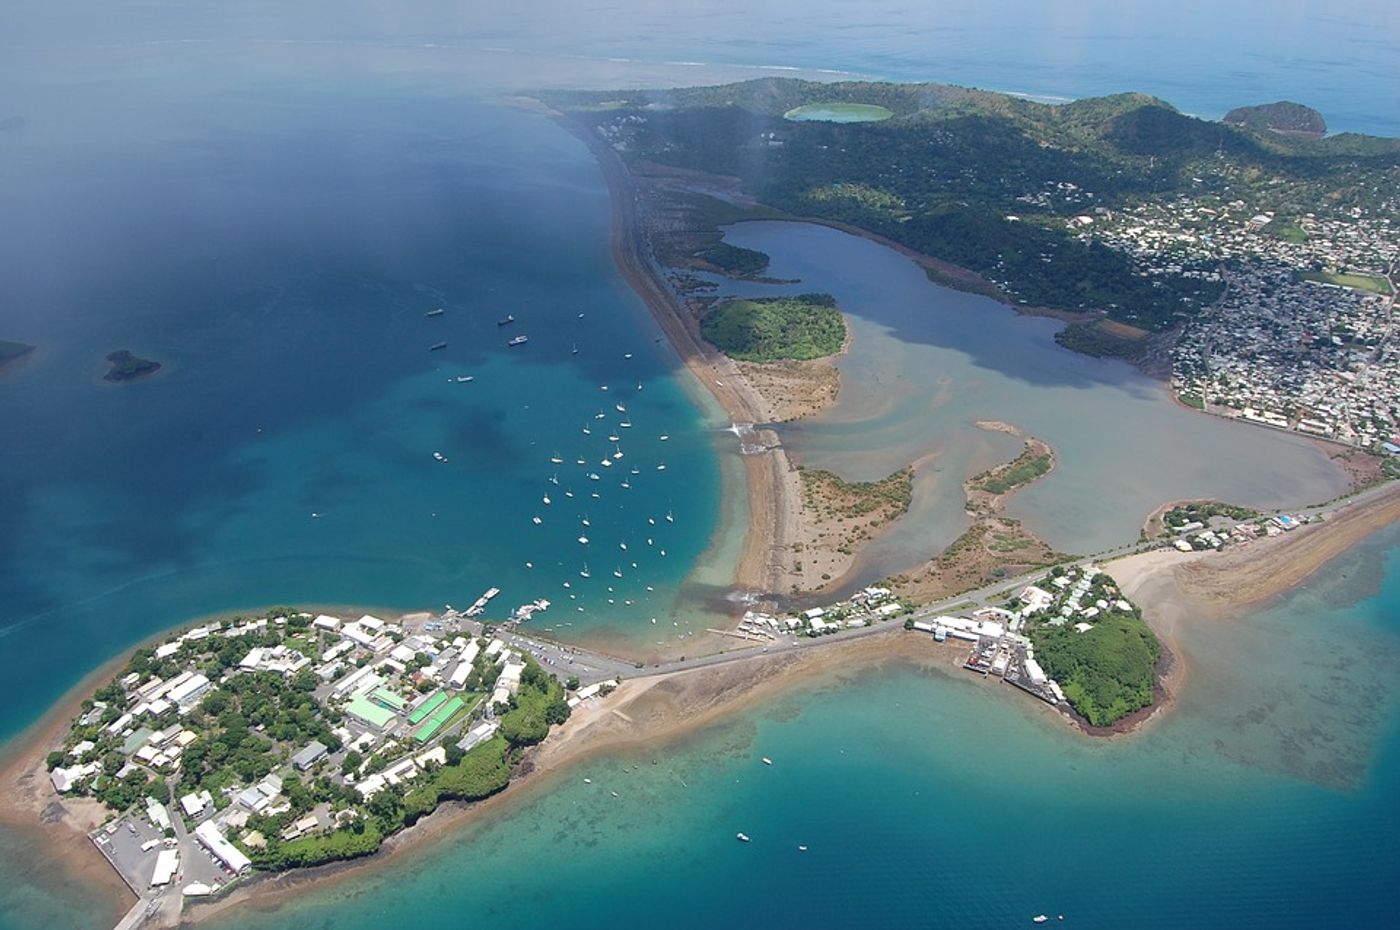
{"x":592,"y":667}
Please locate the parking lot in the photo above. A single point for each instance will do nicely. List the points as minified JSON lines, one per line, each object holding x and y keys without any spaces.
{"x":134,"y":845}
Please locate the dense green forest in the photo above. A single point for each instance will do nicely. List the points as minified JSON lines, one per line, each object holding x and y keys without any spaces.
{"x":1107,"y":671}
{"x":988,"y":181}
{"x":768,"y":329}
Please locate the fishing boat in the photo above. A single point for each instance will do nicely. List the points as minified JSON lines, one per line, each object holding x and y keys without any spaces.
{"x":518,"y":341}
{"x":438,"y":312}
{"x":437,"y":345}
{"x":506,"y":320}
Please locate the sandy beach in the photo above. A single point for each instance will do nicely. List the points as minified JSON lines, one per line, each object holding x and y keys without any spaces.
{"x":1174,"y":589}
{"x":773,"y":491}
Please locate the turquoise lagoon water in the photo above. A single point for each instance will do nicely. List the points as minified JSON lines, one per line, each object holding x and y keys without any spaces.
{"x":267,"y":198}
{"x":927,"y":799}
{"x":280,"y":260}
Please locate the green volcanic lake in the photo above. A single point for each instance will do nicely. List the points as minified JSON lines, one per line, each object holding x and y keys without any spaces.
{"x":838,"y":113}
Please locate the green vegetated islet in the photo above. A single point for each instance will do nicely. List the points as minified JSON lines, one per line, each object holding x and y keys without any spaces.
{"x":127,"y":367}
{"x":1106,"y":672}
{"x":1022,"y":470}
{"x":10,"y":351}
{"x":1104,"y":658}
{"x":769,"y":329}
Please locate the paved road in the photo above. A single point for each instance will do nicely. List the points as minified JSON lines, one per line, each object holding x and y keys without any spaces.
{"x":591,"y":666}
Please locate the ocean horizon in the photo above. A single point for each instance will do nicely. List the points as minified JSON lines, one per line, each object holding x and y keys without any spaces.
{"x":270,"y":208}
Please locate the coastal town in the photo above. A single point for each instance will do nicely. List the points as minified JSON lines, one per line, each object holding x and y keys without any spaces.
{"x":291,"y":739}
{"x":1302,"y":336}
{"x":261,"y":745}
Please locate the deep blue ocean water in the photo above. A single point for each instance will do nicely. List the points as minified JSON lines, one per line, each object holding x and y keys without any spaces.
{"x":268,"y":197}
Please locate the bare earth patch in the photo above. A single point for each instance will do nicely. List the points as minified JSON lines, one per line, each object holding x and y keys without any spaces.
{"x":994,"y":547}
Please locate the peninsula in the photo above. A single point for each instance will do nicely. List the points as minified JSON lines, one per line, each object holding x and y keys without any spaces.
{"x":256,"y":746}
{"x":1252,"y":267}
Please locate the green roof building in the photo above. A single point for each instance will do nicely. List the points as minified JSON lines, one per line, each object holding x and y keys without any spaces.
{"x":427,"y":707}
{"x":445,"y":712}
{"x":365,"y":710}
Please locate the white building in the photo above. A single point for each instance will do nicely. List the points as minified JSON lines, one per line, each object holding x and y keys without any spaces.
{"x":212,"y":840}
{"x":167,"y":864}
